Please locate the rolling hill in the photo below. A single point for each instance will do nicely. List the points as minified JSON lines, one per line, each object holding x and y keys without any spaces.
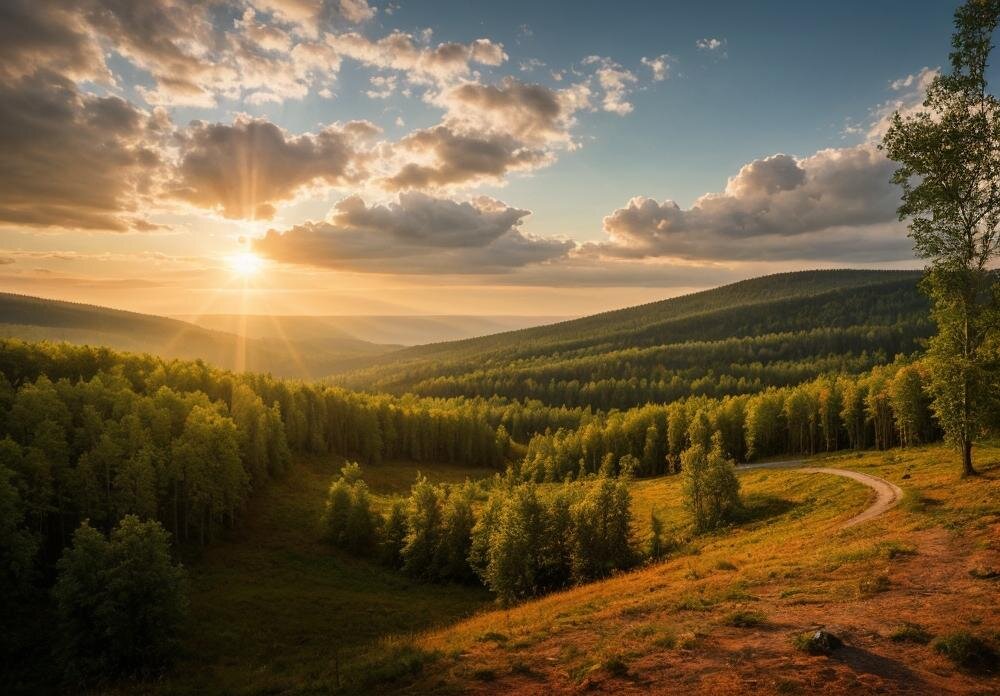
{"x":383,"y":330}
{"x":773,"y":330}
{"x":34,"y":318}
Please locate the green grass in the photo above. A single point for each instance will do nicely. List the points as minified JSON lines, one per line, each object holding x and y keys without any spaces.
{"x":275,"y":609}
{"x":968,"y":651}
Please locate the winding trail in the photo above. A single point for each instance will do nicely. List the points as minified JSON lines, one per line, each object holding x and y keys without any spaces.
{"x":887,"y":494}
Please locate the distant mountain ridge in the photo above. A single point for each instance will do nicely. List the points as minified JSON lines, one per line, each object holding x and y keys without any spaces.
{"x":404,"y":330}
{"x":35,"y":318}
{"x":731,"y":339}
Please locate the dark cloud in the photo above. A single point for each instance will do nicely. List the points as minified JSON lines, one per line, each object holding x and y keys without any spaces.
{"x":836,"y":204}
{"x":418,"y":234}
{"x":243,"y":169}
{"x":448,"y":158}
{"x":74,"y":160}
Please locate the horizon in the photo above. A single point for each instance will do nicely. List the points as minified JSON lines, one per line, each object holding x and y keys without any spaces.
{"x":396,"y":160}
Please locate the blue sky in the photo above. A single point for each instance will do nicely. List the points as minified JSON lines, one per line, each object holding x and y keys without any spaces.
{"x":595,"y":194}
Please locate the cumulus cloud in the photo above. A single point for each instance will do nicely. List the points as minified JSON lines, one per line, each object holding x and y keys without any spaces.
{"x":241,"y":170}
{"x":488,"y":132}
{"x":310,"y":17}
{"x":49,"y":36}
{"x":615,"y":81}
{"x":835,"y":204}
{"x":416,"y":234}
{"x":414,"y":56}
{"x":660,"y":66}
{"x":74,"y":160}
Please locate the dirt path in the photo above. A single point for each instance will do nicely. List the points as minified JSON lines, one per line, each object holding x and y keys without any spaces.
{"x":886,"y":494}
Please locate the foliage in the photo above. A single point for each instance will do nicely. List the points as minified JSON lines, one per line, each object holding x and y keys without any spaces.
{"x":711,"y":489}
{"x":120,"y":601}
{"x":950,"y":179}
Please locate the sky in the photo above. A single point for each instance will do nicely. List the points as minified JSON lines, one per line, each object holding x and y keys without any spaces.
{"x":517,"y":158}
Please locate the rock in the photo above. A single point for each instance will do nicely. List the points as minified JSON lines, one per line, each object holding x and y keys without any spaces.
{"x":819,"y":642}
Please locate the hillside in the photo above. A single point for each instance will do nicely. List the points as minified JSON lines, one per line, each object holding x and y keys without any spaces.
{"x":383,"y":330}
{"x":722,"y":615}
{"x":34,"y":318}
{"x":774,"y":330}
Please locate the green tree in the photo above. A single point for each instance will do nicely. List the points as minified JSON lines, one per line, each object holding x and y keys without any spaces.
{"x":949,"y":173}
{"x":602,"y":530}
{"x":711,"y":488}
{"x":120,"y":602}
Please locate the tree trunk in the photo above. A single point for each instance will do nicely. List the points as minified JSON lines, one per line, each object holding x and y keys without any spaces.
{"x":967,"y":468}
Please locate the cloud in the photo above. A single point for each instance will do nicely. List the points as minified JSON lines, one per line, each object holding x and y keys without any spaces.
{"x":711,"y":44}
{"x":835,"y":204}
{"x":530,"y":112}
{"x":310,"y":17}
{"x":242,"y":170}
{"x":616,"y":83}
{"x":417,"y":234}
{"x":421,"y":62}
{"x":75,"y":160}
{"x":48,"y":36}
{"x":909,"y":100}
{"x":660,"y":66}
{"x":446,"y":158}
{"x":487,"y":133}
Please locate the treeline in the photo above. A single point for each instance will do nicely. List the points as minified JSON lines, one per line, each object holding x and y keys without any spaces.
{"x":636,"y":376}
{"x":882,"y":408}
{"x":515,"y":538}
{"x":739,"y":339}
{"x":88,"y":433}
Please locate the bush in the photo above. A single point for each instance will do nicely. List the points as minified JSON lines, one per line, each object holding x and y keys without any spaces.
{"x":910,"y":633}
{"x":120,"y":602}
{"x":968,"y":651}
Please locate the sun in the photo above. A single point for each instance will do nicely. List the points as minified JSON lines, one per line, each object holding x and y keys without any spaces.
{"x":244,"y":264}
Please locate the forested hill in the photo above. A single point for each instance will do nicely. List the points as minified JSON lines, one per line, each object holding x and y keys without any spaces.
{"x":740,"y":338}
{"x":35,"y":318}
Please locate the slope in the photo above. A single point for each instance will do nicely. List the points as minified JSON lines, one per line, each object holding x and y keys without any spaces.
{"x":34,"y":318}
{"x":772,"y":330}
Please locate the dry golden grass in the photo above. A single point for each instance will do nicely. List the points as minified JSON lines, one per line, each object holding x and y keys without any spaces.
{"x":667,"y":627}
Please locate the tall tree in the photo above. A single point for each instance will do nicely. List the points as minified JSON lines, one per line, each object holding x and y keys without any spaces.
{"x":949,"y":171}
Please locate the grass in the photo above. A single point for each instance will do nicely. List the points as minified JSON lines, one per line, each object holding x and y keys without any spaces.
{"x":910,"y":633}
{"x":744,"y":619}
{"x":968,"y":651}
{"x":278,"y":611}
{"x":787,"y":554}
{"x":275,"y":609}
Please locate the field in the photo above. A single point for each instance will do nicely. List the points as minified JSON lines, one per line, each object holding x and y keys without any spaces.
{"x":278,"y":611}
{"x":722,"y":614}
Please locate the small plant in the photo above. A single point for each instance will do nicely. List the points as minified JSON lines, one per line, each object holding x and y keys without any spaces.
{"x":492,"y":637}
{"x":688,"y":640}
{"x":615,"y":666}
{"x":486,"y":675}
{"x":725,"y":565}
{"x":745,"y":619}
{"x":873,"y":584}
{"x":667,"y":641}
{"x":968,"y":651}
{"x":910,"y":633}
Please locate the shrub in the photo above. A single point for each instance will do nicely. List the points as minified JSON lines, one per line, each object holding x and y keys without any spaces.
{"x":120,"y":602}
{"x":745,"y":619}
{"x":968,"y":651}
{"x":910,"y":633}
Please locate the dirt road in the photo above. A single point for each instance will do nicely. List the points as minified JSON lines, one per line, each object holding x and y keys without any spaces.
{"x":886,"y":494}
